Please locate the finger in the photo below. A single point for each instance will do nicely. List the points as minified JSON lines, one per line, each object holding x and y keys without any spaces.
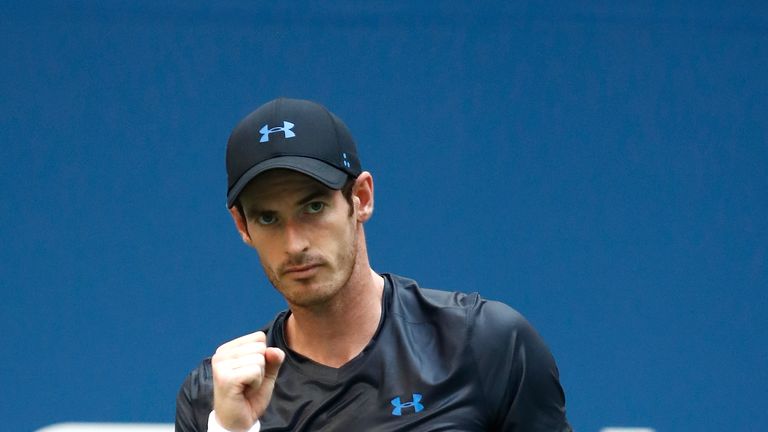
{"x":226,"y":353}
{"x":235,"y":380}
{"x":231,"y":367}
{"x":258,"y":336}
{"x":241,"y":362}
{"x":274,"y":359}
{"x":263,"y":392}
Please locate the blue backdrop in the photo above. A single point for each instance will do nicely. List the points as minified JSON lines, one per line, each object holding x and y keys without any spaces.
{"x":601,"y":167}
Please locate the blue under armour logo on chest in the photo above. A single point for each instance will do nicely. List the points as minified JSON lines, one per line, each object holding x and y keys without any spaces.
{"x":415,"y":404}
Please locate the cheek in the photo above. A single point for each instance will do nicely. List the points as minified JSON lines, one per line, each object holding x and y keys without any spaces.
{"x":265,"y":252}
{"x":344,"y":237}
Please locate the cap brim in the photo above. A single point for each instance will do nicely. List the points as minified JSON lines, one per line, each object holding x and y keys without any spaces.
{"x":326,"y":174}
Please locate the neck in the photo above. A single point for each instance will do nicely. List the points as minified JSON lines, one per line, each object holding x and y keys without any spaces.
{"x":338,"y":331}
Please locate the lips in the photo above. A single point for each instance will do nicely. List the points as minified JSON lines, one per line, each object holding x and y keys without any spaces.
{"x":301,"y":271}
{"x":300,"y":268}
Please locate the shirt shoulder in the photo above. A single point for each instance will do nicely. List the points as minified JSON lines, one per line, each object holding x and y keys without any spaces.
{"x":485,"y":318}
{"x":417,"y":304}
{"x":519,"y":378}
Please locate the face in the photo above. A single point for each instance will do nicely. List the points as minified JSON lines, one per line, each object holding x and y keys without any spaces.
{"x":304,"y":234}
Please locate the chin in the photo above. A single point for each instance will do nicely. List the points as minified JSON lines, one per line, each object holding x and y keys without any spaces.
{"x":308,"y":293}
{"x":309,"y":301}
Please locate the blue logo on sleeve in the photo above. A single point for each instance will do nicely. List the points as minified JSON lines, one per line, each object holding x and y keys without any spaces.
{"x":415,"y":404}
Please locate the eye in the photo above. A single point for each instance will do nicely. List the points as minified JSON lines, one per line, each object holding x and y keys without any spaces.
{"x":315,"y":207}
{"x":266,"y":219}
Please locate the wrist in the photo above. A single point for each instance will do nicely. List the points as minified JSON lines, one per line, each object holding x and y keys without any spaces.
{"x":215,"y":426}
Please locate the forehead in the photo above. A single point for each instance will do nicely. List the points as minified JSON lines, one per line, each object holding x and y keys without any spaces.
{"x":280,"y":183}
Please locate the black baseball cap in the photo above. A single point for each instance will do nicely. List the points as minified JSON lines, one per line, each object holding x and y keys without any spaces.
{"x":294,"y":134}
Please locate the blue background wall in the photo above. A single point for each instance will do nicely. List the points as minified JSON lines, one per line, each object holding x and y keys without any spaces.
{"x":601,"y":167}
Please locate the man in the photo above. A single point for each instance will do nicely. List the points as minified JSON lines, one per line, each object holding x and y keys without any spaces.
{"x":356,"y":350}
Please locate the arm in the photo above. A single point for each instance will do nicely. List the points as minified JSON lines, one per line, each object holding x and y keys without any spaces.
{"x":195,"y":399}
{"x":529,"y":397}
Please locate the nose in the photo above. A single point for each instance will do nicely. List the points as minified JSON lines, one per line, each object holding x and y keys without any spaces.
{"x":295,"y":239}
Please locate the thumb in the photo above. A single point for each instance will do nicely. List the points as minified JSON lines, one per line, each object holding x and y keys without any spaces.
{"x":259,"y":397}
{"x":274,"y":359}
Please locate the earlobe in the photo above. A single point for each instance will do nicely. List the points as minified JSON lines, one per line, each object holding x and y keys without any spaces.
{"x":240,"y":224}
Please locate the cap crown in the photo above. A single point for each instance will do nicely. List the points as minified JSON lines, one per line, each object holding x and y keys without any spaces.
{"x":293,"y":134}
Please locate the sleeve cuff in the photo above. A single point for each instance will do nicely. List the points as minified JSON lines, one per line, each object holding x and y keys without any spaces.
{"x":214,"y":426}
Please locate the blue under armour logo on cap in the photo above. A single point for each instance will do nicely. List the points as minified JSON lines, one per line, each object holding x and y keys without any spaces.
{"x":286,"y":129}
{"x":415,"y":404}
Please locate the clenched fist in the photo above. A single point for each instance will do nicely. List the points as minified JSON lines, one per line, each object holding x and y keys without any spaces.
{"x":244,"y":373}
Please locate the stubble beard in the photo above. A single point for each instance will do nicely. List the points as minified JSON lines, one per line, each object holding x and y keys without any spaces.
{"x":314,"y":293}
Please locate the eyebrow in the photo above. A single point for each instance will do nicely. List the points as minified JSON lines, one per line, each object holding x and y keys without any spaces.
{"x":317,"y":193}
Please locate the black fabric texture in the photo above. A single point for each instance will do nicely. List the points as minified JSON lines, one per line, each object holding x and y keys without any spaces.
{"x":439,"y":361}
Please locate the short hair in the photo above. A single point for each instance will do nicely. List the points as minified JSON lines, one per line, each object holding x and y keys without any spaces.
{"x":346,"y":191}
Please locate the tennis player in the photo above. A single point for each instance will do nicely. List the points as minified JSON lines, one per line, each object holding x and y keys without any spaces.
{"x":356,"y":350}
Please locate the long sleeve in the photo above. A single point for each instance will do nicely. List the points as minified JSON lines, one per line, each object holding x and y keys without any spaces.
{"x":194,"y":402}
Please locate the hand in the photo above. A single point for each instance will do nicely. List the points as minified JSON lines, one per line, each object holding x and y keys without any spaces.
{"x":244,"y":373}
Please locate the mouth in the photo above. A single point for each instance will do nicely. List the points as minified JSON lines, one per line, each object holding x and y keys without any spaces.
{"x":302,"y":271}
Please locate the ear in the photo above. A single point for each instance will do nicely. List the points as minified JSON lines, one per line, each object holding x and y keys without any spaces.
{"x":362,"y":196}
{"x":241,"y":225}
